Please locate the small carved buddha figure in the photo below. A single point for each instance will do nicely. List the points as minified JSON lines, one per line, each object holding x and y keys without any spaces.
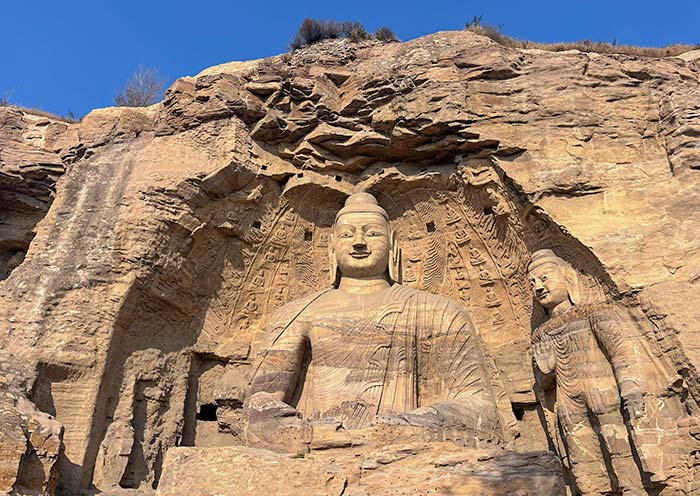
{"x":618,"y":417}
{"x":370,"y":352}
{"x":462,"y":237}
{"x":475,"y":257}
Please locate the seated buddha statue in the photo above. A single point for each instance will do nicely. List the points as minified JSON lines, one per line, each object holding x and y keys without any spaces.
{"x":371,"y":352}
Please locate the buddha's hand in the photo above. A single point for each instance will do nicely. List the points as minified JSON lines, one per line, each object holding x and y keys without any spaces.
{"x":451,"y":414}
{"x":420,"y":417}
{"x":276,"y":425}
{"x":459,"y":422}
{"x":426,"y":416}
{"x":634,"y":406}
{"x":437,"y":415}
{"x":632,"y":394}
{"x":264,"y":406}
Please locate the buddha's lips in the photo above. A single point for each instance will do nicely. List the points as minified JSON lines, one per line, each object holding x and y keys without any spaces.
{"x":360,"y":254}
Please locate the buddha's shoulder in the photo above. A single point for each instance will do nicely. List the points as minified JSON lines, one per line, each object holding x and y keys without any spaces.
{"x":291,"y":310}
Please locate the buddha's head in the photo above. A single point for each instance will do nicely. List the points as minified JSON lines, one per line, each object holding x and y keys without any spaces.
{"x":363,"y":245}
{"x":554,"y":282}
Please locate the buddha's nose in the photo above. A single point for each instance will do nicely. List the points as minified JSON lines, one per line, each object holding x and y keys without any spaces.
{"x":359,"y":246}
{"x":359,"y":243}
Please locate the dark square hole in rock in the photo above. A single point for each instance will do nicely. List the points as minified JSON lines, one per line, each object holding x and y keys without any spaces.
{"x":488,"y":210}
{"x":256,"y":224}
{"x":264,"y":167}
{"x":338,"y":178}
{"x":300,"y":174}
{"x":308,"y":235}
{"x":519,"y":412}
{"x":207,"y":413}
{"x":430,"y":226}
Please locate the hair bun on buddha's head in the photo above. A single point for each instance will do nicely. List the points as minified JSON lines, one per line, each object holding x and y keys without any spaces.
{"x":361,"y":202}
{"x":544,"y":256}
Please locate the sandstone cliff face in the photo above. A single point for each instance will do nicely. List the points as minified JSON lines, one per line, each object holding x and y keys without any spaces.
{"x":417,"y":468}
{"x":154,"y":269}
{"x":33,"y":155}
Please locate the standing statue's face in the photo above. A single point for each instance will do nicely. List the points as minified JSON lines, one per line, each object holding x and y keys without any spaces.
{"x":361,"y":244}
{"x":548,"y":283}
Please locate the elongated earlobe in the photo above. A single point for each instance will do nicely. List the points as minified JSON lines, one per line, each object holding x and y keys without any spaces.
{"x":395,"y":272}
{"x":335,"y":273}
{"x":572,"y":285}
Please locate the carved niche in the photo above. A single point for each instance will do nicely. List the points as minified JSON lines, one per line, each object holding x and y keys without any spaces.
{"x":460,"y":237}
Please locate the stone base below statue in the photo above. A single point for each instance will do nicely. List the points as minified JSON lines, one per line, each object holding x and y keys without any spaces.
{"x":398,"y":469}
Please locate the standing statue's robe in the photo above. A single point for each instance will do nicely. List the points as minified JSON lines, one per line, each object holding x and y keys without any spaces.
{"x":409,"y":349}
{"x":588,"y":359}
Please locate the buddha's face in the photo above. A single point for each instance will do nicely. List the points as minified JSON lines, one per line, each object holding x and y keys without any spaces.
{"x":548,"y":283}
{"x":361,"y":243}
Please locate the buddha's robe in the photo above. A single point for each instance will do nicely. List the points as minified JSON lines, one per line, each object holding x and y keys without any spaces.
{"x":401,"y":350}
{"x":597,"y":356}
{"x":590,"y":358}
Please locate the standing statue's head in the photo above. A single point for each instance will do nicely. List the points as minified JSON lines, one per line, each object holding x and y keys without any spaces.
{"x":363,"y":246}
{"x":554,"y":281}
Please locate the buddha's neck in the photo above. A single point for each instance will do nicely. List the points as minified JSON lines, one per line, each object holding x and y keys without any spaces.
{"x":363,"y":285}
{"x":561,"y":308}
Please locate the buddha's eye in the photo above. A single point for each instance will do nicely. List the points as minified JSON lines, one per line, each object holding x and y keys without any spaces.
{"x":345,"y":234}
{"x":544,"y":278}
{"x":374,"y":233}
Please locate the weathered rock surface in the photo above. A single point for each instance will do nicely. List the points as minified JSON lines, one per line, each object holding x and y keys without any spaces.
{"x":33,"y":154}
{"x":419,"y":468}
{"x":31,"y":440}
{"x":177,"y":229}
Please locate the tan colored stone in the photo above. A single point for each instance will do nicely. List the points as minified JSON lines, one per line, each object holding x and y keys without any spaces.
{"x":375,"y":351}
{"x":13,"y":444}
{"x":417,"y":468}
{"x":177,"y":231}
{"x":30,"y":163}
{"x":615,"y":406}
{"x":31,"y":441}
{"x":690,"y":56}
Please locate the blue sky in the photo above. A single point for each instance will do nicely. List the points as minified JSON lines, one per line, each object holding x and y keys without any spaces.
{"x":76,"y":55}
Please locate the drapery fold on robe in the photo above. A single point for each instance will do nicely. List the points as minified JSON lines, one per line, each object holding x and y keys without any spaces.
{"x":414,"y":349}
{"x":598,"y":355}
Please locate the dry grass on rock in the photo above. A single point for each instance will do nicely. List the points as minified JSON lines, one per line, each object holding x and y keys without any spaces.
{"x":70,"y":119}
{"x":496,"y":35}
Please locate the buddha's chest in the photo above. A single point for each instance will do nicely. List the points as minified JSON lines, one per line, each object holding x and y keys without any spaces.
{"x":573,"y":350}
{"x":343,"y":341}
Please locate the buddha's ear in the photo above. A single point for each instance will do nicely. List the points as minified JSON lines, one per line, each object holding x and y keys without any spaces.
{"x":573,"y":286}
{"x":335,"y":273}
{"x":395,"y":272}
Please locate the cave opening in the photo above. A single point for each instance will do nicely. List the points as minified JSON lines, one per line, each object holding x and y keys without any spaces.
{"x":207,"y":413}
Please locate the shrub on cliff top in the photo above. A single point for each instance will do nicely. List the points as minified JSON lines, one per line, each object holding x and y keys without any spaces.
{"x":355,"y":31}
{"x":5,"y":99}
{"x":143,"y":89}
{"x":314,"y":30}
{"x":385,"y":34}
